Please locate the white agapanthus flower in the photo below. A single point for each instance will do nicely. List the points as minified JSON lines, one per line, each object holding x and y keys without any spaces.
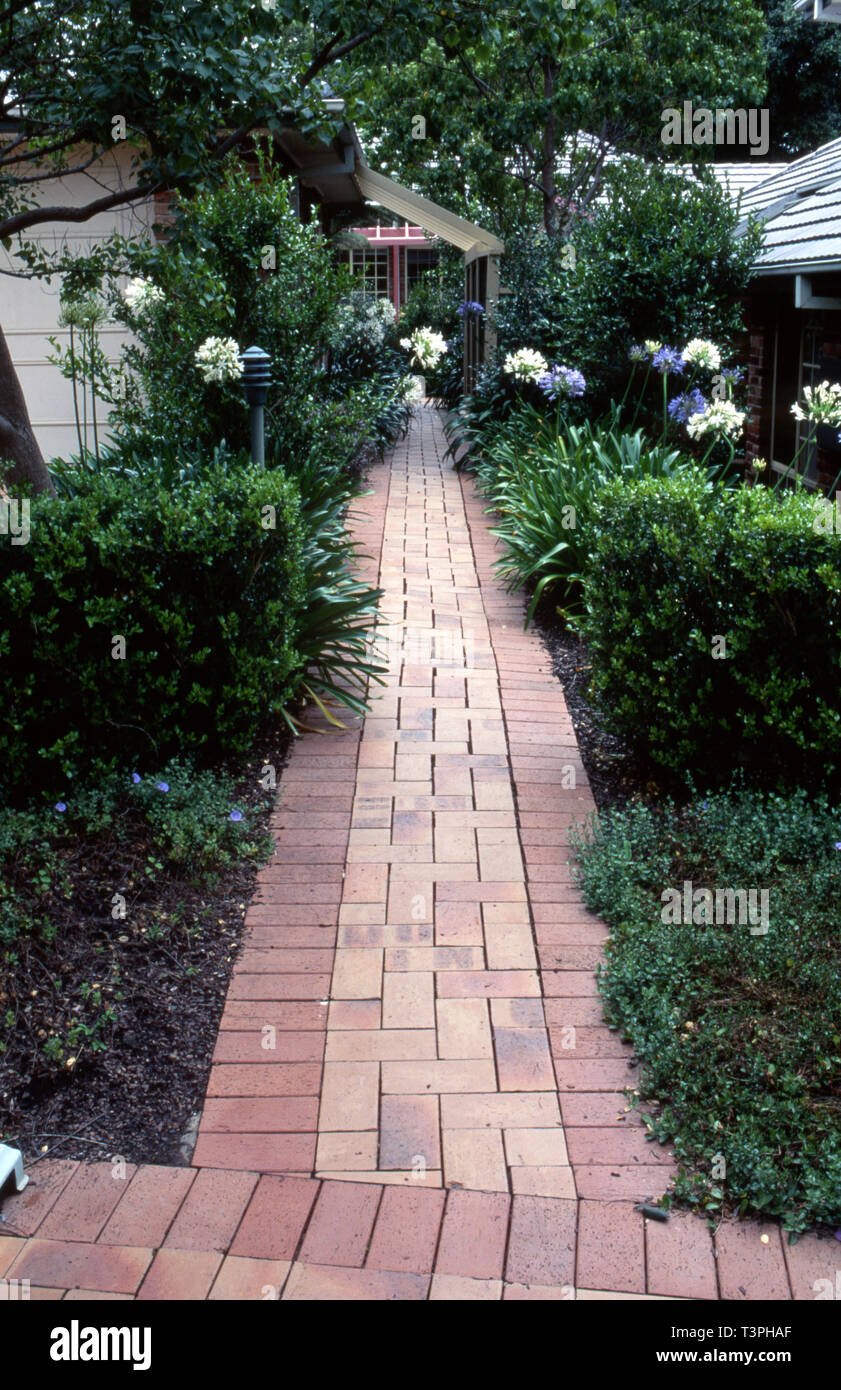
{"x":218,"y":359}
{"x":823,"y":404}
{"x":426,"y":346}
{"x":141,"y":295}
{"x":413,"y":387}
{"x":651,"y":346}
{"x":526,"y":365}
{"x":700,"y":352}
{"x":720,"y":418}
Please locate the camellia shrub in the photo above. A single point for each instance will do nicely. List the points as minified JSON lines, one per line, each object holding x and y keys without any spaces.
{"x":141,"y":622}
{"x":656,"y":259}
{"x":714,"y":627}
{"x":237,"y":268}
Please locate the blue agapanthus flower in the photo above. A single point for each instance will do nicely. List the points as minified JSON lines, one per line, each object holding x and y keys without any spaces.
{"x":668,"y":360}
{"x":562,"y":381}
{"x":470,"y":308}
{"x":691,"y":403}
{"x":732,"y":374}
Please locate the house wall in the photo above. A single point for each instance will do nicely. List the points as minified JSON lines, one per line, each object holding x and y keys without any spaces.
{"x":397,"y":242}
{"x":29,"y":309}
{"x":775,"y":378}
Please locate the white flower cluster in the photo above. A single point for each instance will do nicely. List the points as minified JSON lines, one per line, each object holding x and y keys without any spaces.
{"x":720,"y":418}
{"x":413,"y":389}
{"x":526,"y":365}
{"x":823,"y":404}
{"x":362,"y":321}
{"x":218,"y":359}
{"x":700,"y":352}
{"x":426,"y":346}
{"x":141,"y":295}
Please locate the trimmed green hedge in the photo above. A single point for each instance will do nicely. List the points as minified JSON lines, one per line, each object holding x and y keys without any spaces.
{"x":675,"y":567}
{"x":204,"y":594}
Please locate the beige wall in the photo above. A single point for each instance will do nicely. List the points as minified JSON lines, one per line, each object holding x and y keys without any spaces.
{"x":29,"y":309}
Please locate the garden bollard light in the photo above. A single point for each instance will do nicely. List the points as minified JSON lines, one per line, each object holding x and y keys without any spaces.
{"x":11,"y":1165}
{"x":256,"y":376}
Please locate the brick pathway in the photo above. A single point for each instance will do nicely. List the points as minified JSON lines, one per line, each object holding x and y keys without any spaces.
{"x":413,"y":1094}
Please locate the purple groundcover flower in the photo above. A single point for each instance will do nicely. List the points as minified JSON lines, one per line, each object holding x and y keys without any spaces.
{"x":236,"y":815}
{"x":135,"y":777}
{"x":61,"y":806}
{"x":668,"y":360}
{"x":469,"y":308}
{"x":162,"y":786}
{"x":691,"y":403}
{"x":562,"y":381}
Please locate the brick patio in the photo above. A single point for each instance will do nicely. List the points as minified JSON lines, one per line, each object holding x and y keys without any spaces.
{"x":413,"y":1094}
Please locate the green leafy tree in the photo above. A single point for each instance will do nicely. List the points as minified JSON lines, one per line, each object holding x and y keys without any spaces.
{"x":804,"y":80}
{"x":179,"y":83}
{"x":552,"y":80}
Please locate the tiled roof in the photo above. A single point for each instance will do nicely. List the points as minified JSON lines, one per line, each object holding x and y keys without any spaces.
{"x":800,"y":209}
{"x":739,"y":178}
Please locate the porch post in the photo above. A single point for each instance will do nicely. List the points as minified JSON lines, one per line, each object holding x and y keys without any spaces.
{"x":395,"y":277}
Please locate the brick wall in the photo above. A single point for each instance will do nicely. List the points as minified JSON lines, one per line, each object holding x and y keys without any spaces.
{"x":759,"y":364}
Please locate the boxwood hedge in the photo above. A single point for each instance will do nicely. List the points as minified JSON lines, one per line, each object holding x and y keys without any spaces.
{"x":714,"y":626}
{"x":201,"y":582}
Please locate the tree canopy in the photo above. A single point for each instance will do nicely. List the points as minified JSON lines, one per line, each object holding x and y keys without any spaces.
{"x":498,"y":114}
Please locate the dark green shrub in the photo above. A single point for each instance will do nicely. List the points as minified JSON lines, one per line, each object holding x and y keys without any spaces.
{"x":737,"y":1028}
{"x":713,"y":627}
{"x":204,"y":584}
{"x":237,"y":263}
{"x":656,"y":259}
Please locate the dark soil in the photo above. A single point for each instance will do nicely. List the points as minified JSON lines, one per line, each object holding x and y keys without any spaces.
{"x":615,"y":774}
{"x":164,"y":972}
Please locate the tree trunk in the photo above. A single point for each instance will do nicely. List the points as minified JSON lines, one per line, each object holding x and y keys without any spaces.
{"x":547,"y":172}
{"x":21,"y":460}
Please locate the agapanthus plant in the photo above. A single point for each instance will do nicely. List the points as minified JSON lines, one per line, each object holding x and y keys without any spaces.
{"x":218,"y":359}
{"x":667,"y":360}
{"x":700,"y":352}
{"x":561,"y":381}
{"x":699,"y":355}
{"x":471,"y":308}
{"x":141,"y":295}
{"x":690,"y":403}
{"x":426,"y":347}
{"x":822,"y":404}
{"x":719,"y":418}
{"x":526,"y":365}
